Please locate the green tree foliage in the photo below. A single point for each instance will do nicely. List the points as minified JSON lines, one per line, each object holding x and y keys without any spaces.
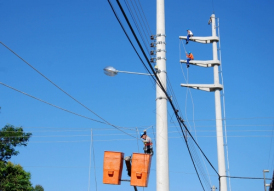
{"x":38,"y":188}
{"x":10,"y":137}
{"x":14,"y":178}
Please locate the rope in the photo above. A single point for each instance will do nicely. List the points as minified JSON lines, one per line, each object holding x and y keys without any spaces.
{"x":138,"y":134}
{"x":89,"y":161}
{"x":184,"y":47}
{"x":94,"y":160}
{"x":193,"y":111}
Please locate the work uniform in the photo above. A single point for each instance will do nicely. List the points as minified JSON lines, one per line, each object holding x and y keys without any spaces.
{"x":148,"y":145}
{"x":189,"y":57}
{"x":189,"y":34}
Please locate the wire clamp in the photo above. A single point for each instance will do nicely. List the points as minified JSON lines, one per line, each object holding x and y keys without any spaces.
{"x":160,"y":98}
{"x":152,"y":37}
{"x":159,"y":71}
{"x":158,"y":35}
{"x":160,"y":50}
{"x":160,"y":42}
{"x":160,"y":58}
{"x":182,"y":121}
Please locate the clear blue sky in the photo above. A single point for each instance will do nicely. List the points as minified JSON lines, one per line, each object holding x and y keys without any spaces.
{"x":71,"y":42}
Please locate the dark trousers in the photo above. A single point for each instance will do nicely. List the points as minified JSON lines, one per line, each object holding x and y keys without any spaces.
{"x":148,"y":150}
{"x":187,"y":38}
{"x":187,"y":61}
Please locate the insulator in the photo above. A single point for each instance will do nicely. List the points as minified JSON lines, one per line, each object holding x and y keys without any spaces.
{"x":152,"y":37}
{"x":152,"y":44}
{"x":151,"y":52}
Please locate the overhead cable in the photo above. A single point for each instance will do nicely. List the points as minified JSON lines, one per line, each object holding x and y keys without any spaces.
{"x":105,"y":122}
{"x":57,"y":85}
{"x":118,"y":19}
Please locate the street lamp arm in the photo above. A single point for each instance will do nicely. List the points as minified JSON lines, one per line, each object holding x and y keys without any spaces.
{"x":110,"y":71}
{"x":135,"y":73}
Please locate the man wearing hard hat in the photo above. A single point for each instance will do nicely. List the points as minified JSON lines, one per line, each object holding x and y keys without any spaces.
{"x":147,"y":142}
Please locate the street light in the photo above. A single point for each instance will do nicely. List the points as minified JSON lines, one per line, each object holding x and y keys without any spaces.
{"x":111,"y":71}
{"x":162,"y":170}
{"x":265,"y":185}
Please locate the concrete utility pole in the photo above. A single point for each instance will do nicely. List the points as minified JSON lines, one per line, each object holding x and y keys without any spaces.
{"x":265,"y":185}
{"x":213,"y":188}
{"x":162,"y":174}
{"x":216,"y":88}
{"x":218,"y":111}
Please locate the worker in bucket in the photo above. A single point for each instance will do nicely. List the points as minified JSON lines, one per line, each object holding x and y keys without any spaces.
{"x":189,"y":57}
{"x":189,"y":34}
{"x":147,"y":142}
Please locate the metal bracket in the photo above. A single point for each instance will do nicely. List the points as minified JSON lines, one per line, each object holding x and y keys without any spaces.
{"x":158,"y":35}
{"x":159,"y":71}
{"x":152,"y":37}
{"x":160,"y":50}
{"x":160,"y":42}
{"x":161,"y":98}
{"x":152,"y":60}
{"x":160,"y":58}
{"x":209,"y":21}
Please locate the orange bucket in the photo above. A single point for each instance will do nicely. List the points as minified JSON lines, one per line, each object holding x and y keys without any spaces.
{"x":113,"y":167}
{"x":140,"y":169}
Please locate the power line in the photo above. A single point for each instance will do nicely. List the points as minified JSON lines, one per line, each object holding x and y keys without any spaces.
{"x":146,"y":26}
{"x":51,"y":104}
{"x":145,"y":40}
{"x":247,"y":118}
{"x":213,"y":136}
{"x":118,"y":19}
{"x":106,"y":122}
{"x":145,"y":16}
{"x":254,"y":178}
{"x":66,"y":109}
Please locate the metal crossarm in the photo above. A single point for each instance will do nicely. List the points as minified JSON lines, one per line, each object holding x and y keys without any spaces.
{"x":202,"y":63}
{"x":205,"y":40}
{"x":204,"y":87}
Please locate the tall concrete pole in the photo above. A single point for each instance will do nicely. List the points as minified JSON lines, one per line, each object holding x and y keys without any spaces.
{"x":218,"y":111}
{"x":162,"y":174}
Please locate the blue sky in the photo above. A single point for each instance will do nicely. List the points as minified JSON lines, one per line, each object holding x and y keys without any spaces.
{"x":71,"y":42}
